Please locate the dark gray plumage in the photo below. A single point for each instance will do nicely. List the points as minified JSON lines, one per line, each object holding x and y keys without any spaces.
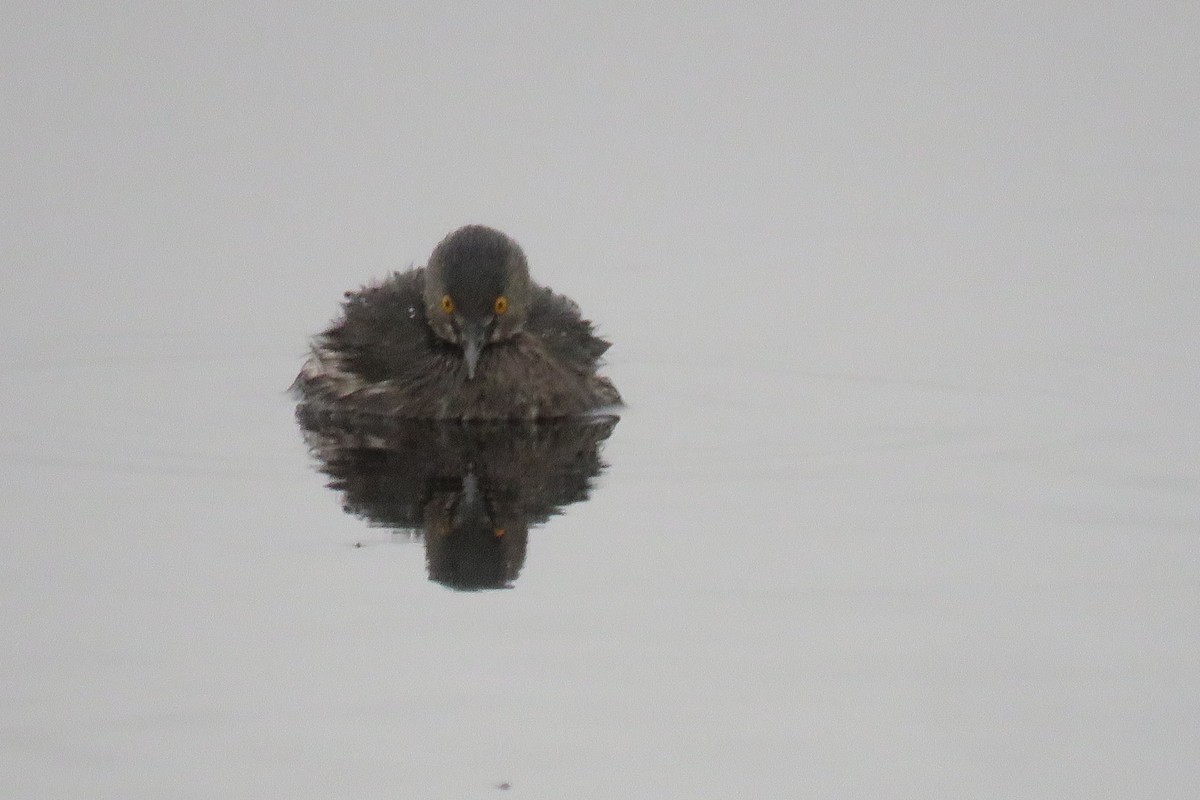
{"x":468,"y":337}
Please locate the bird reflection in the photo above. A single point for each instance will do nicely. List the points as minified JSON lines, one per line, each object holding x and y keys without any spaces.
{"x":471,"y":490}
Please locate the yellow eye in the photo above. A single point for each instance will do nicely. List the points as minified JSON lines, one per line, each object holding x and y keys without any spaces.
{"x":447,"y":304}
{"x":501,"y":304}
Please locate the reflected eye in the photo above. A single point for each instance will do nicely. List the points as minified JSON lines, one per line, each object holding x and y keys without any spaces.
{"x":447,"y":304}
{"x":501,"y":304}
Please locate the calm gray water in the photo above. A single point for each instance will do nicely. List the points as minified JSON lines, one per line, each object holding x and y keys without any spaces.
{"x":906,"y":501}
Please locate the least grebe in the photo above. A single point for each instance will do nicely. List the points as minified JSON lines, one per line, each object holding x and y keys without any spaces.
{"x":470,"y":336}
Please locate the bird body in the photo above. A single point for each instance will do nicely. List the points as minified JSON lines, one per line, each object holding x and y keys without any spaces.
{"x":470,"y":337}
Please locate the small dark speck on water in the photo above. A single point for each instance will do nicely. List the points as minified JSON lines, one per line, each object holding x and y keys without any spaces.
{"x":358,"y":544}
{"x":504,"y":787}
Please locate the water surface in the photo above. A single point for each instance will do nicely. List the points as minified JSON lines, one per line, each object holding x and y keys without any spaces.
{"x":905,"y":502}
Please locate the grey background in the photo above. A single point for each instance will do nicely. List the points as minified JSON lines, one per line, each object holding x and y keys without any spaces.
{"x":903,"y":298}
